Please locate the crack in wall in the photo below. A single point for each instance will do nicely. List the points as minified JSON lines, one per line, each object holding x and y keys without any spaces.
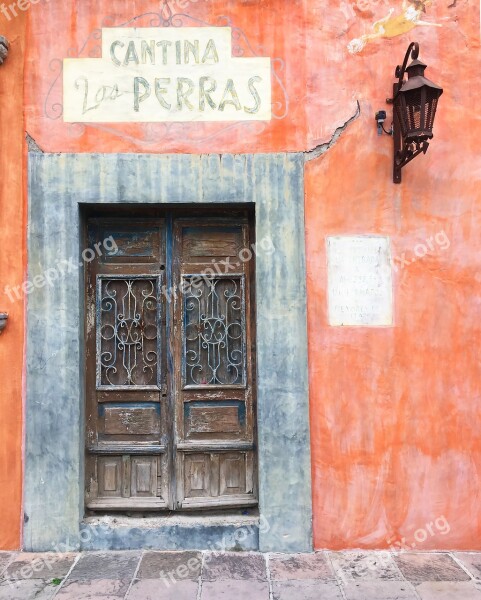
{"x":323,"y":148}
{"x":309,"y":155}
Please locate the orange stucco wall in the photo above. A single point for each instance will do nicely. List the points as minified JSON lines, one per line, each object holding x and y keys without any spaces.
{"x":395,"y":412}
{"x":12,"y":265}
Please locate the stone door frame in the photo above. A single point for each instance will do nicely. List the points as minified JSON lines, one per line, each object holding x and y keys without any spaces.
{"x":59,"y":184}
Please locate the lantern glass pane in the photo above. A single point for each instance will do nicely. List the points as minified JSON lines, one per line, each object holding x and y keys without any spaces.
{"x":413,"y":110}
{"x":431,"y":105}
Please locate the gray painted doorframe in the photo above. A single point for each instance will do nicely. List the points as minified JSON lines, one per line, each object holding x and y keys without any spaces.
{"x":53,"y":490}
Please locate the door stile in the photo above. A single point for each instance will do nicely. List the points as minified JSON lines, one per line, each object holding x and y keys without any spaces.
{"x":169,"y":333}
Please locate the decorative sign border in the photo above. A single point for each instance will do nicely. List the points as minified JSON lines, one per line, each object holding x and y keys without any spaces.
{"x":153,"y":133}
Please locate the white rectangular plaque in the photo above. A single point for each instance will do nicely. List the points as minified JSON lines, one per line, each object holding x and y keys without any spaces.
{"x":359,"y":281}
{"x":167,"y":75}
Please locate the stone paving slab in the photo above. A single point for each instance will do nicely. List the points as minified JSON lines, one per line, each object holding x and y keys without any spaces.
{"x":236,"y":566}
{"x":103,"y":589}
{"x":233,"y":590}
{"x":106,"y":565}
{"x":418,"y":567}
{"x":380,"y":590}
{"x":5,"y":558}
{"x":448,"y":590}
{"x":353,"y":565}
{"x":27,"y":589}
{"x":306,"y":589}
{"x":40,"y":566}
{"x":155,"y":589}
{"x":299,"y":566}
{"x":471,"y":561}
{"x":170,"y":565}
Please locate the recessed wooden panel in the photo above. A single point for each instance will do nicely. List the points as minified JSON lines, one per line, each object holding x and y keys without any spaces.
{"x":128,"y":420}
{"x":201,"y":244}
{"x":144,"y":474}
{"x":110,"y":476}
{"x":134,"y":244}
{"x":214,"y":419}
{"x":218,"y":478}
{"x":197,"y":475}
{"x":232,"y":477}
{"x":222,"y":420}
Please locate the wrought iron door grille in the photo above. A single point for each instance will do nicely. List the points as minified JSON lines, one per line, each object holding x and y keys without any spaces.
{"x":214,"y":331}
{"x":128,"y":318}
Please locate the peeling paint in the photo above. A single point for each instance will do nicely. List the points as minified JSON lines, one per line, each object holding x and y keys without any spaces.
{"x":32,"y":144}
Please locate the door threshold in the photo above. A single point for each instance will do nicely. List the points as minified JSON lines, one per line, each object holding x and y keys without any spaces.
{"x":215,"y":531}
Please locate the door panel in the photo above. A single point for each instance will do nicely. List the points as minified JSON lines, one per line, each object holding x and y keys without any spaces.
{"x":214,"y":420}
{"x":170,"y":366}
{"x":214,"y":400}
{"x":144,"y":476}
{"x":110,"y":476}
{"x":129,"y":421}
{"x":128,"y":459}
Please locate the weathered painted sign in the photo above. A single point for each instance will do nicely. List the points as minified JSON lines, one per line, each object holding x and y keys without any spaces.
{"x":359,"y":281}
{"x":157,"y":75}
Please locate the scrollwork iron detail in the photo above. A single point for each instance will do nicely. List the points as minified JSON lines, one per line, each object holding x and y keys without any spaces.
{"x":214,"y":337}
{"x":128,"y":337}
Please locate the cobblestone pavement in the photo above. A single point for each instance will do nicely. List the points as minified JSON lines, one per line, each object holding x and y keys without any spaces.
{"x":149,"y":575}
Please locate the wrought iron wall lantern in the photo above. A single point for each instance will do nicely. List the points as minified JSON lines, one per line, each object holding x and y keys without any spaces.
{"x":3,"y":321}
{"x":415,"y":101}
{"x":3,"y":49}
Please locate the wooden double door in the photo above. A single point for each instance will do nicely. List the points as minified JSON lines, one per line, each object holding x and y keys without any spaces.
{"x":170,"y":374}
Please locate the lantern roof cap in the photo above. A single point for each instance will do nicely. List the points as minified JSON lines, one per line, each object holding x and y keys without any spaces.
{"x":416,"y":63}
{"x":417,"y":82}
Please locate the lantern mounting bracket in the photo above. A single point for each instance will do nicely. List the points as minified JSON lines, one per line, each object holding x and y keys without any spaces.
{"x":403,"y":153}
{"x":413,"y":50}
